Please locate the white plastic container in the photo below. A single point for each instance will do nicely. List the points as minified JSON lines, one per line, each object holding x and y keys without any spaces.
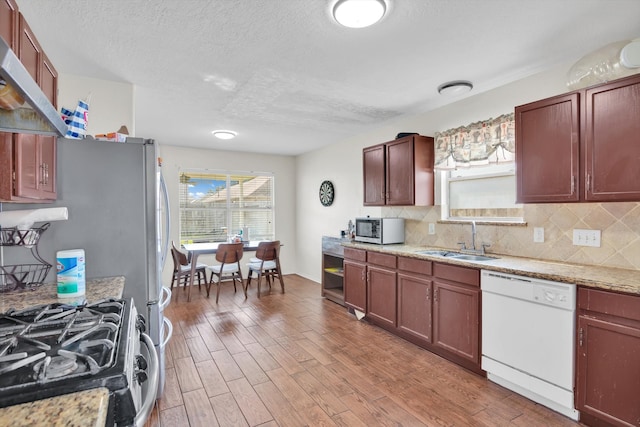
{"x":71,"y":273}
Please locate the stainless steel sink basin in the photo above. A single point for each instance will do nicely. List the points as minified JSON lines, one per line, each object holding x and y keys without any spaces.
{"x":472,"y":257}
{"x":457,"y":255}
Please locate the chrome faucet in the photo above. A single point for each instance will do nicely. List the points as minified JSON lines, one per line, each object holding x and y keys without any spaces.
{"x":472,"y":249}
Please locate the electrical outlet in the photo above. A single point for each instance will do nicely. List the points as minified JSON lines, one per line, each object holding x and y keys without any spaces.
{"x":432,"y":228}
{"x":538,"y":234}
{"x":586,"y":237}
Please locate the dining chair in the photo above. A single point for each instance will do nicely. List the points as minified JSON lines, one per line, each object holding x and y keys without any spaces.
{"x":266,"y":264}
{"x":182,"y":268}
{"x":229,"y":256}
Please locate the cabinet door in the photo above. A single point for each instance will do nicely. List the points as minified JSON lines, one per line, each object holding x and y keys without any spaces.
{"x":47,"y":167}
{"x":49,"y":81}
{"x":355,"y":285}
{"x":455,"y":319}
{"x":373,"y":169}
{"x":608,"y":371}
{"x":27,"y":166}
{"x":547,"y":150}
{"x":9,"y":22}
{"x":29,"y":50}
{"x":414,"y":306}
{"x":612,"y":141}
{"x":400,"y":172}
{"x":381,"y":296}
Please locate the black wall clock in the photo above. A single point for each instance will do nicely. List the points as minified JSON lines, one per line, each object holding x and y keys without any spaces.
{"x":326,"y":193}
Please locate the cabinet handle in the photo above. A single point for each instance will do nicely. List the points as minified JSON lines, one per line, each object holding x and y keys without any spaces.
{"x":435,"y":296}
{"x":589,"y":182}
{"x":46,"y":173}
{"x":573,"y":184}
{"x":42,"y":174}
{"x":580,"y":337}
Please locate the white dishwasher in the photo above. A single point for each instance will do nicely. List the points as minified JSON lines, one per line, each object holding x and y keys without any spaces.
{"x":528,"y":330}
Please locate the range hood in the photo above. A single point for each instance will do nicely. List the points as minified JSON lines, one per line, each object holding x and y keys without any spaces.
{"x":28,"y":109}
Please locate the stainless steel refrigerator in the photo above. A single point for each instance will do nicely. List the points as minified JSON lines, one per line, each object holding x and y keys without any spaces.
{"x":118,"y":213}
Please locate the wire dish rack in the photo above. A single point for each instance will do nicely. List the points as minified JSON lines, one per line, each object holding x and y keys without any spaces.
{"x":23,"y":276}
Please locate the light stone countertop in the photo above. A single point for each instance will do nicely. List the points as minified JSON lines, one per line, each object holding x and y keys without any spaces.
{"x":608,"y":278}
{"x":81,"y":409}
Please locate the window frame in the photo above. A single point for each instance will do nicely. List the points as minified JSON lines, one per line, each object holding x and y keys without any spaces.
{"x":229,"y":211}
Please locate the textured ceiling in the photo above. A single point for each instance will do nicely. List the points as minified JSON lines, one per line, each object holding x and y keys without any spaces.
{"x":289,"y":79}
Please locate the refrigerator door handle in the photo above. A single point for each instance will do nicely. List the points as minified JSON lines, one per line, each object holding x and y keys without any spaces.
{"x":168,"y":327}
{"x":166,"y":300}
{"x":167,"y":220}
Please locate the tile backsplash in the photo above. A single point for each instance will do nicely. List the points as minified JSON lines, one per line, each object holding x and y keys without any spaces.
{"x":618,"y":222}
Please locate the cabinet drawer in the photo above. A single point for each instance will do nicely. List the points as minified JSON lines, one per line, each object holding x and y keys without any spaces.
{"x":413,"y":265}
{"x":626,"y":306}
{"x":456,"y":273}
{"x":384,"y":260}
{"x":355,"y":254}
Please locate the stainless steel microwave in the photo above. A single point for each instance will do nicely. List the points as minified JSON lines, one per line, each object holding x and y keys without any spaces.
{"x":381,"y":231}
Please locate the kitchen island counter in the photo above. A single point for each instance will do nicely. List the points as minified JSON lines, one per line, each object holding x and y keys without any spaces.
{"x":96,"y":290}
{"x":591,"y":276}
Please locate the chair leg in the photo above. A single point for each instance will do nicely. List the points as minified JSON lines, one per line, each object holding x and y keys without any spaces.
{"x":173,"y":279}
{"x":218,"y":288}
{"x":281,"y":281}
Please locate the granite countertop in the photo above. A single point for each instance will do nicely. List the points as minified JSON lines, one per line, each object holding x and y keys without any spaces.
{"x":82,"y":409}
{"x":96,"y":290}
{"x":609,"y":278}
{"x":85,"y":408}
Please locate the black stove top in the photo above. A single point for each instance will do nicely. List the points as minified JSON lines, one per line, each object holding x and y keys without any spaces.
{"x":56,"y":349}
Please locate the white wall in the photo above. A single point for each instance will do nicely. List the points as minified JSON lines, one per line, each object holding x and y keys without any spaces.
{"x":110,"y":103}
{"x":175,"y":159}
{"x":342,"y":162}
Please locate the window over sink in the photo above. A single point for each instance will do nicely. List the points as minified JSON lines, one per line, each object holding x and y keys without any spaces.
{"x":215,"y":205}
{"x":481,"y":193}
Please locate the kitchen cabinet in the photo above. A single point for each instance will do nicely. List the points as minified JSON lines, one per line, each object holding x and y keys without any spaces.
{"x":355,"y":279}
{"x":456,"y":308}
{"x":9,"y":22}
{"x":580,"y":146}
{"x":399,"y":172}
{"x":381,"y":289}
{"x":333,"y":269}
{"x":608,"y":358}
{"x":414,"y":299}
{"x":28,"y":173}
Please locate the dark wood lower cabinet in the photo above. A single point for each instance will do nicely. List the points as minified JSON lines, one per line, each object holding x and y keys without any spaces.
{"x":608,"y":358}
{"x":381,"y":296}
{"x":414,"y":307}
{"x":456,"y":319}
{"x":355,"y":279}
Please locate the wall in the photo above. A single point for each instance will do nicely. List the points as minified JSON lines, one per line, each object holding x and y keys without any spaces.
{"x":619,"y":222}
{"x":176,"y":159}
{"x":110,"y":103}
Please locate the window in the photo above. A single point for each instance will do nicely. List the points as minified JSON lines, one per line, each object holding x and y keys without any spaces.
{"x":214,"y":206}
{"x":480,"y":193}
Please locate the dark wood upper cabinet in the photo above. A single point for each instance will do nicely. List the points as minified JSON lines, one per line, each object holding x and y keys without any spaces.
{"x":399,"y":172}
{"x":580,"y":147}
{"x":9,"y":22}
{"x":28,"y":173}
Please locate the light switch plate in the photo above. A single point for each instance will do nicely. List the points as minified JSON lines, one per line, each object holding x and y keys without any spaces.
{"x":538,"y":234}
{"x":586,"y":237}
{"x":432,"y":228}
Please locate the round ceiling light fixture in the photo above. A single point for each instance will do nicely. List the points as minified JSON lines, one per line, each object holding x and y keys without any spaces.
{"x":224,"y":134}
{"x":359,"y":13}
{"x":455,"y":88}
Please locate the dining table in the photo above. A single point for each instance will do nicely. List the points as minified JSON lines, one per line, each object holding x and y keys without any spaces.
{"x":196,"y":249}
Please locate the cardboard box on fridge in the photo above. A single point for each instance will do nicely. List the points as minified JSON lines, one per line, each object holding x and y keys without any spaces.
{"x":112,"y":136}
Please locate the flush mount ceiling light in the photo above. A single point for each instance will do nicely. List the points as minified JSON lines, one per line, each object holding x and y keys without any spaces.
{"x":455,"y":88}
{"x":359,"y":13}
{"x":224,"y":134}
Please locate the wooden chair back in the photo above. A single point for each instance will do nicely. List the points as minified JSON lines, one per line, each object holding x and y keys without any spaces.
{"x":179,"y":257}
{"x":228,"y":253}
{"x":268,"y":251}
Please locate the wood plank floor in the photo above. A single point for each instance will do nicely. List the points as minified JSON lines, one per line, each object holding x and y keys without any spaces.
{"x":296,"y":359}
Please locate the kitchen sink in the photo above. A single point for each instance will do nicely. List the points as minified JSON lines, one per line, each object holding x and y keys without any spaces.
{"x":457,"y":255}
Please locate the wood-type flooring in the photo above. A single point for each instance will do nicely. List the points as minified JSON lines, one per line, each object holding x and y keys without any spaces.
{"x":296,"y":359}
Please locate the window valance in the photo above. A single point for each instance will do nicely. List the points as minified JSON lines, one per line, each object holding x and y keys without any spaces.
{"x":478,"y":144}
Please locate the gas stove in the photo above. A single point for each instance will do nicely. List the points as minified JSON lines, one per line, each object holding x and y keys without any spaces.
{"x":56,"y":349}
